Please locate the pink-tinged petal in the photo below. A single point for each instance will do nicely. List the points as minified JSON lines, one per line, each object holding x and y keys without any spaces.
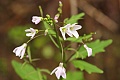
{"x":70,"y":34}
{"x":14,"y":51}
{"x":36,"y":19}
{"x":77,"y":27}
{"x":18,"y":52}
{"x":56,"y":18}
{"x":63,"y":73}
{"x":89,"y":50}
{"x":31,"y":33}
{"x":57,"y":73}
{"x":67,"y":26}
{"x":22,"y":53}
{"x":75,"y":33}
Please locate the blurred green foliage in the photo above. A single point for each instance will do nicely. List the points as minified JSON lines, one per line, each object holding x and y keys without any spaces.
{"x":3,"y":65}
{"x":40,"y":41}
{"x":17,"y":34}
{"x":48,"y":51}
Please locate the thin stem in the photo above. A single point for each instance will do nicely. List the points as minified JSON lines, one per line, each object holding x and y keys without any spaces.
{"x":53,"y":41}
{"x":59,"y":43}
{"x":41,"y":11}
{"x":71,"y":55}
{"x":34,"y":38}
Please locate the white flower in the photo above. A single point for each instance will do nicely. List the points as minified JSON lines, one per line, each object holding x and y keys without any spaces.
{"x":32,"y":32}
{"x":70,"y":30}
{"x":89,"y":50}
{"x":20,"y":51}
{"x":59,"y":71}
{"x":36,"y":19}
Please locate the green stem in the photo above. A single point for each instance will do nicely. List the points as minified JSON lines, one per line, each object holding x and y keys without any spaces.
{"x":72,"y":54}
{"x":33,"y":38}
{"x":53,"y":41}
{"x":41,"y":11}
{"x":59,"y":43}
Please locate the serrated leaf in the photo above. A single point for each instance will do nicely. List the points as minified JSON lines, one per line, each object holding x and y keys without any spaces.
{"x":73,"y":39}
{"x":97,"y":47}
{"x":26,"y":72}
{"x":82,"y":65}
{"x":76,"y":75}
{"x":74,"y":18}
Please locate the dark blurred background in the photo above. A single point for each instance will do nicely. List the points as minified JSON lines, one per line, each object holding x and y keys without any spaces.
{"x":101,"y":16}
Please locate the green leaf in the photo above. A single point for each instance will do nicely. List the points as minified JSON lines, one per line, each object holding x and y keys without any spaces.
{"x":74,"y":18}
{"x":26,"y":72}
{"x":97,"y":47}
{"x":76,"y":75}
{"x":80,"y":39}
{"x":82,"y":65}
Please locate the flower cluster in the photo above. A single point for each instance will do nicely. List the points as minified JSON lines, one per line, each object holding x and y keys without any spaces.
{"x":69,"y":29}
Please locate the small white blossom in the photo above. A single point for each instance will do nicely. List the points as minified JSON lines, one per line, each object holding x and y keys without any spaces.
{"x":59,"y":71}
{"x":56,"y":18}
{"x":31,"y":33}
{"x":71,"y":30}
{"x":36,"y":19}
{"x":89,"y":50}
{"x":20,"y":51}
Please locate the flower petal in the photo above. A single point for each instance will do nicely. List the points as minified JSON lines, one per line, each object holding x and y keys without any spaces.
{"x":89,"y":50}
{"x":36,"y":19}
{"x":75,"y":33}
{"x":20,"y":51}
{"x":69,"y":33}
{"x":57,"y":73}
{"x":63,"y":73}
{"x":31,"y":33}
{"x":54,"y":71}
{"x":62,"y":32}
{"x":77,"y":27}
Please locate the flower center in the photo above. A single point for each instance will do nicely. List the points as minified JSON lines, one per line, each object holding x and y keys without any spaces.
{"x":64,"y":29}
{"x":71,"y":28}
